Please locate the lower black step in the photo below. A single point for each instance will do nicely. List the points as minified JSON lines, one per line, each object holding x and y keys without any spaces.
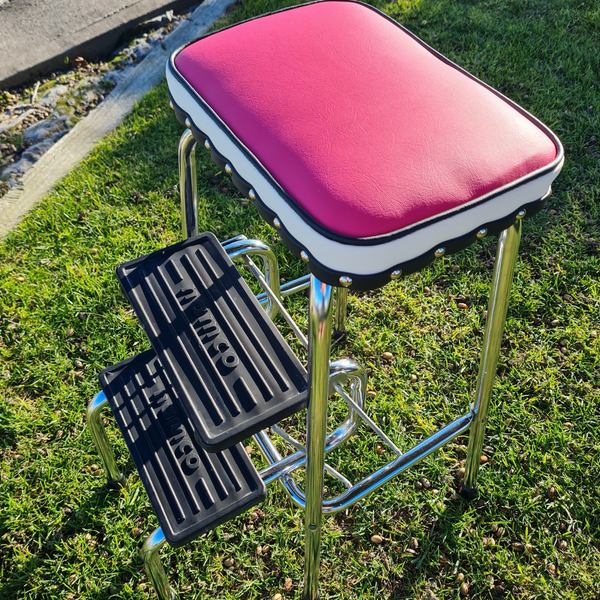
{"x":191,"y":491}
{"x":232,"y":369}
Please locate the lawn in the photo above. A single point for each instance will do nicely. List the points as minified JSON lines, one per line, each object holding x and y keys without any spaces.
{"x":534,"y":532}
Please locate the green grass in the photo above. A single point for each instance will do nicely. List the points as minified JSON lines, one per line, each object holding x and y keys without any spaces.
{"x":62,"y":320}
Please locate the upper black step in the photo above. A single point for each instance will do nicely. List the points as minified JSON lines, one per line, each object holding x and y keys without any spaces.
{"x":232,"y":369}
{"x":191,"y":491}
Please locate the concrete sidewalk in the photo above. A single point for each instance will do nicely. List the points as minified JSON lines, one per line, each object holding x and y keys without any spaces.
{"x":70,"y":149}
{"x":37,"y":36}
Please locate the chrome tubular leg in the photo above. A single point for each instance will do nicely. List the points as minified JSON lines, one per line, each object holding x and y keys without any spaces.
{"x":318,"y":377}
{"x":154,"y":568}
{"x":188,"y":185}
{"x":504,"y":267}
{"x":114,"y":476}
{"x":341,"y":307}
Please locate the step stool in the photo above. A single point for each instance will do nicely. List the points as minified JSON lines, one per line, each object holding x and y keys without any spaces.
{"x":371,"y":155}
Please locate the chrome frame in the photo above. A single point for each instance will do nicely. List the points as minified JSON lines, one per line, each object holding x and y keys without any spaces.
{"x":504,"y":268}
{"x":325,"y":379}
{"x":188,"y":184}
{"x":319,"y":330}
{"x":114,"y":476}
{"x":154,"y":568}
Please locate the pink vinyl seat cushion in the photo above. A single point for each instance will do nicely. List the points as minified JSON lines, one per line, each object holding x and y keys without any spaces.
{"x":363,"y":126}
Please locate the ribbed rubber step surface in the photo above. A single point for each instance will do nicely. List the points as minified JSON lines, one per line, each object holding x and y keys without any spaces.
{"x":191,"y":491}
{"x":232,"y":369}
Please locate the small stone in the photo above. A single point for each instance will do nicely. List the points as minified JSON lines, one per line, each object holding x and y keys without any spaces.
{"x":136,"y":531}
{"x":426,"y":483}
{"x":462,"y":306}
{"x":20,"y":279}
{"x":413,"y":378}
{"x":249,"y":450}
{"x":429,"y":595}
{"x":460,"y":473}
{"x":568,"y":425}
{"x":554,"y":323}
{"x":563,"y":544}
{"x":376,"y":539}
{"x":563,"y":350}
{"x":528,"y":549}
{"x":254,"y":516}
{"x":387,"y":356}
{"x":551,"y":568}
{"x":517,"y":547}
{"x":70,"y":332}
{"x":410,"y":551}
{"x":88,"y":537}
{"x":228,"y":562}
{"x":551,"y":493}
{"x":484,"y":314}
{"x":418,"y":485}
{"x":287,"y":585}
{"x":460,"y":578}
{"x":277,"y":597}
{"x":500,"y":532}
{"x":484,"y":459}
{"x":371,"y":394}
{"x":455,"y":269}
{"x":464,"y":590}
{"x":427,"y":290}
{"x":414,"y":543}
{"x":94,"y":250}
{"x":593,"y":333}
{"x":494,"y":527}
{"x":77,"y":364}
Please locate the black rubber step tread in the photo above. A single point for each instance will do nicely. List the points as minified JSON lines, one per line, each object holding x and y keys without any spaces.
{"x":232,"y":369}
{"x":191,"y":490}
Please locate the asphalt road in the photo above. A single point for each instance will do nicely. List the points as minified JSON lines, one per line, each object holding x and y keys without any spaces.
{"x":36,"y":36}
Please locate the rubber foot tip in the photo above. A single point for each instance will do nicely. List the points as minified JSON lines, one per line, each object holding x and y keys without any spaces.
{"x":337,"y":335}
{"x":468,"y":493}
{"x":112,"y":484}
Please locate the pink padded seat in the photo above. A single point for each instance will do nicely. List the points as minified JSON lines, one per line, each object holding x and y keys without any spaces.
{"x":369,"y":149}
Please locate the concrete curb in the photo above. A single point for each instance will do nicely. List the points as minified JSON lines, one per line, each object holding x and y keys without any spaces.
{"x":70,"y":149}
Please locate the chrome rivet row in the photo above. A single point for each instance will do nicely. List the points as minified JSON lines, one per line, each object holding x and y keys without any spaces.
{"x":252,"y":195}
{"x":440,"y":252}
{"x":188,"y":123}
{"x":395,"y":274}
{"x":345,"y":280}
{"x":304,"y":256}
{"x":276,"y":223}
{"x":521,"y":214}
{"x":207,"y":144}
{"x":482,"y":233}
{"x":228,"y":169}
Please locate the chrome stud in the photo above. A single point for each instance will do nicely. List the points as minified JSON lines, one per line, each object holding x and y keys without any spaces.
{"x":276,"y":223}
{"x":228,"y":169}
{"x":207,"y":144}
{"x":252,"y":195}
{"x":521,"y":214}
{"x":304,"y":256}
{"x":395,"y":274}
{"x":188,"y":124}
{"x":440,"y":252}
{"x":345,"y":280}
{"x":482,"y":233}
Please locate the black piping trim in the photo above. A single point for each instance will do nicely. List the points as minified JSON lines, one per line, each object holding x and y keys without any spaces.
{"x":310,"y":221}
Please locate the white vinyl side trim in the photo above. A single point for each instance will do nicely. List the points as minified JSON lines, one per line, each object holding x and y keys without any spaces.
{"x":346,"y":258}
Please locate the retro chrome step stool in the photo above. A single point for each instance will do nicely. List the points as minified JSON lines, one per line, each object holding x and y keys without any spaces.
{"x":371,"y":155}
